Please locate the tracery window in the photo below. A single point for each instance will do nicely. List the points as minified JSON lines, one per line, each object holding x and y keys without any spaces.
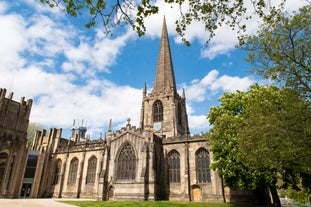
{"x":126,"y":163}
{"x":73,"y":169}
{"x":174,"y":166}
{"x":202,"y":161}
{"x":157,"y":111}
{"x":57,"y":170}
{"x":91,"y":170}
{"x":3,"y":161}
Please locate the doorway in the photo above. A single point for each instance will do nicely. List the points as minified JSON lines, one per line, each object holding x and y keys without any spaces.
{"x":25,"y":191}
{"x":110,"y":192}
{"x":196,"y":193}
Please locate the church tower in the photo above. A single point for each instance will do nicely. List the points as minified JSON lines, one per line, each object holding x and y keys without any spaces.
{"x":164,"y":110}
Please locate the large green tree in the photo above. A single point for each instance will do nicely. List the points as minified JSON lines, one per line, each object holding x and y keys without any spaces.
{"x":281,"y":51}
{"x":212,"y":13}
{"x":261,"y":136}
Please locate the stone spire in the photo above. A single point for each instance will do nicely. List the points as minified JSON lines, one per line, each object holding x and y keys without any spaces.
{"x":165,"y":79}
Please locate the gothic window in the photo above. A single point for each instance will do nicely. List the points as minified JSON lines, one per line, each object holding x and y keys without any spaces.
{"x":3,"y":161}
{"x":73,"y":169}
{"x":57,"y":170}
{"x":179,"y":114}
{"x":91,"y":170}
{"x":202,"y":161}
{"x":126,"y":163}
{"x":174,"y":166}
{"x":157,"y":111}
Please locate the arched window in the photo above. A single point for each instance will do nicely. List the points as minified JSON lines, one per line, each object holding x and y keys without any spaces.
{"x":126,"y":163}
{"x":73,"y":169}
{"x":174,"y":166}
{"x":157,"y":111}
{"x":179,"y":114}
{"x":202,"y":162}
{"x":57,"y":170}
{"x":91,"y":170}
{"x":3,"y":161}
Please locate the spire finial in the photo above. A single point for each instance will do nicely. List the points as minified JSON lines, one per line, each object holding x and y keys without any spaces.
{"x":145,"y":89}
{"x":110,"y":125}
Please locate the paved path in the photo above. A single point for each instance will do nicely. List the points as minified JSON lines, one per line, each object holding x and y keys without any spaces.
{"x":32,"y":203}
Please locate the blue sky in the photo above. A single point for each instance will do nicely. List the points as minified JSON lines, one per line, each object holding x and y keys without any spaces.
{"x":74,"y":73}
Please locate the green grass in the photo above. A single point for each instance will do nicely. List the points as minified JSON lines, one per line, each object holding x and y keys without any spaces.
{"x":150,"y":204}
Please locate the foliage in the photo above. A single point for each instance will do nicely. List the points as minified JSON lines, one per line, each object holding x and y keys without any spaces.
{"x":296,"y":195}
{"x":281,"y":51}
{"x":212,"y":14}
{"x":260,"y":136}
{"x":31,"y":131}
{"x":149,"y":204}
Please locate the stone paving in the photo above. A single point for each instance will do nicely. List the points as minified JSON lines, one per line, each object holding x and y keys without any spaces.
{"x":32,"y":203}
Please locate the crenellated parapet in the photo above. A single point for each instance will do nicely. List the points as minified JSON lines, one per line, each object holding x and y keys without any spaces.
{"x":14,"y":118}
{"x":49,"y":141}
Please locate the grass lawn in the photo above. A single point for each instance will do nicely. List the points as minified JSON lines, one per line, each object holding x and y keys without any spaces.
{"x":150,"y":204}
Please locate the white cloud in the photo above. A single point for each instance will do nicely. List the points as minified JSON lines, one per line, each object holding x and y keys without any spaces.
{"x":12,"y":39}
{"x":199,"y":122}
{"x":57,"y":65}
{"x":211,"y":85}
{"x":34,"y":47}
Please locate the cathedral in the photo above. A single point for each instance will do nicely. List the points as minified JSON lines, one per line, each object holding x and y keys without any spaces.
{"x":158,"y":160}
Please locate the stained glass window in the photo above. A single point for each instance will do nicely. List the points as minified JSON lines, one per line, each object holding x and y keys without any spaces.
{"x":73,"y":171}
{"x":91,"y":170}
{"x":174,"y":166}
{"x":126,"y":163}
{"x":157,"y":111}
{"x":202,"y":161}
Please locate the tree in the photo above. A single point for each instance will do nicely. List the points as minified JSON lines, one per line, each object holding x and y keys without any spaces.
{"x":31,"y":131}
{"x":213,"y":13}
{"x":261,"y":136}
{"x":281,"y":51}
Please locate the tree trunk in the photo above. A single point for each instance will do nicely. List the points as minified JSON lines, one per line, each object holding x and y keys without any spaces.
{"x":275,"y":196}
{"x":263,"y":196}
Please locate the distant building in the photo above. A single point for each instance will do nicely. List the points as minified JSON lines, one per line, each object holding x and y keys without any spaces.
{"x":158,"y":160}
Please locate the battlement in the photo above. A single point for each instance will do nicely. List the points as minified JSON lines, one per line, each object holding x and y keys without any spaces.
{"x":14,"y":116}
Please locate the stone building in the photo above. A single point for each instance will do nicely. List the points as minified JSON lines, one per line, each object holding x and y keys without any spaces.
{"x":14,"y":119}
{"x":159,"y":160}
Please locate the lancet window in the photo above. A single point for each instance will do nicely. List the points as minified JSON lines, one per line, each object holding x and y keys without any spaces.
{"x":174,"y":166}
{"x":91,"y":170}
{"x":157,"y":111}
{"x":3,"y":162}
{"x":202,"y":161}
{"x":57,"y":171}
{"x":73,"y":169}
{"x":179,"y":114}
